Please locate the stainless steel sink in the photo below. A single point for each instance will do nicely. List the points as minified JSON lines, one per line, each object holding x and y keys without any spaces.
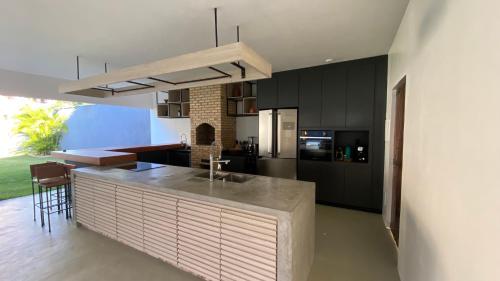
{"x":229,"y":177}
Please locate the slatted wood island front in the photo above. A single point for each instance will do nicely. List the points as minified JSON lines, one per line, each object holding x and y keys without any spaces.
{"x":212,"y":240}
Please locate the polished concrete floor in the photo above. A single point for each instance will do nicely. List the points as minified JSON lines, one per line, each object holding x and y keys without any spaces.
{"x":350,"y":245}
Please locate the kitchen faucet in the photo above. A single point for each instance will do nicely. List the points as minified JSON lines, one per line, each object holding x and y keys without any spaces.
{"x":217,"y":159}
{"x":183,"y":140}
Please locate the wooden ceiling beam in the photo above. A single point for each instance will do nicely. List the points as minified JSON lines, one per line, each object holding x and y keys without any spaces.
{"x":251,"y":74}
{"x":256,"y":68}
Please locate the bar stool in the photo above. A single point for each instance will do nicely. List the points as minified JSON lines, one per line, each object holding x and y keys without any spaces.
{"x":69,"y":197}
{"x":34,"y":181}
{"x":48,"y":177}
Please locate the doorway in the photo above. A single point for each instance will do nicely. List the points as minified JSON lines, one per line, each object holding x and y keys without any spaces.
{"x":397,"y":157}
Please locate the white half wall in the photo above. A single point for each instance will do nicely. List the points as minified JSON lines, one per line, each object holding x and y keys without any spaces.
{"x":42,"y":87}
{"x":247,"y":126}
{"x":450,"y":226}
{"x":165,"y":130}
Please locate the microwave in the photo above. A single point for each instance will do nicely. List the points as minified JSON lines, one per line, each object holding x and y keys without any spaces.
{"x":316,"y":145}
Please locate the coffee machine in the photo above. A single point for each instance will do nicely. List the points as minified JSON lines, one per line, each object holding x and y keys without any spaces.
{"x":360,"y":152}
{"x":252,"y":146}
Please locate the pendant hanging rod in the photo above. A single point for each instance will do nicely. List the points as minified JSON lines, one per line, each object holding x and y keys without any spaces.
{"x":238,"y":40}
{"x":216,"y":33}
{"x":78,"y":67}
{"x":106,"y":71}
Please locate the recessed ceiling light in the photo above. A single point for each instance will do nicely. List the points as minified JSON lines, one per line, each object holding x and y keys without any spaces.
{"x":328,"y":60}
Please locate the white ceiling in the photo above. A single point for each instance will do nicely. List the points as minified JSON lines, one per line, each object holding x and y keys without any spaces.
{"x":44,"y":36}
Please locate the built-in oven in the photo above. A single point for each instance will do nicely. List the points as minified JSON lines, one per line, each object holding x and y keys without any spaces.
{"x":316,"y":145}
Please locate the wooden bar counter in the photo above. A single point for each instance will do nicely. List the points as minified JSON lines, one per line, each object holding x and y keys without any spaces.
{"x":109,"y":156}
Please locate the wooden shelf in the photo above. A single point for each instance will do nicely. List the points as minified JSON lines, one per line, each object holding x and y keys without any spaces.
{"x":162,"y":110}
{"x":174,"y":96}
{"x":184,"y":95}
{"x":239,"y":90}
{"x":174,"y":104}
{"x":174,"y":110}
{"x":241,"y":100}
{"x":185,"y":109}
{"x":350,"y":137}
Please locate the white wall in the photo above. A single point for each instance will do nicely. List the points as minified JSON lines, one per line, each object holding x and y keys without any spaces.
{"x":36,"y":86}
{"x":450,"y":220}
{"x":247,"y":126}
{"x":165,"y":130}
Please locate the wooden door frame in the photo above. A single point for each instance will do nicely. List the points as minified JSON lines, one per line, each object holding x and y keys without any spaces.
{"x":399,"y":102}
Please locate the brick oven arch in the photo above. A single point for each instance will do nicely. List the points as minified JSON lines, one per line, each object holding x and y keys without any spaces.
{"x":205,"y":134}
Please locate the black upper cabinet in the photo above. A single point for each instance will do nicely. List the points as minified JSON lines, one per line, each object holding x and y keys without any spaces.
{"x":288,"y":89}
{"x":310,"y":97}
{"x":360,"y":94}
{"x":267,"y":93}
{"x":333,"y":106}
{"x":281,"y":91}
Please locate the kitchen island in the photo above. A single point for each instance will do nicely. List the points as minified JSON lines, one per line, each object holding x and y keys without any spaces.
{"x":259,"y":228}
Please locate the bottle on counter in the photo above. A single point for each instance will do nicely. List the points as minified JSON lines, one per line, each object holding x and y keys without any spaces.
{"x":339,"y":153}
{"x":347,"y":153}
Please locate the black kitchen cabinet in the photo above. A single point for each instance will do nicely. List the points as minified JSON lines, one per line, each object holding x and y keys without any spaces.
{"x":360,"y":94}
{"x":288,"y":89}
{"x":334,"y":186}
{"x":358,"y":185}
{"x":280,"y":91}
{"x":236,"y":164}
{"x":156,"y":156}
{"x":333,"y":103}
{"x":314,"y":171}
{"x":310,"y":97}
{"x":246,"y":164}
{"x":378,"y":135}
{"x":181,"y":157}
{"x":347,"y":97}
{"x":267,"y":93}
{"x":329,"y":179}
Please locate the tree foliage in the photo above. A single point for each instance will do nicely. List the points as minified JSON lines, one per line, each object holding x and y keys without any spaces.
{"x":42,"y":129}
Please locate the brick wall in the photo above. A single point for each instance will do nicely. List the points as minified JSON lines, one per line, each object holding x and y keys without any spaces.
{"x":209,"y":105}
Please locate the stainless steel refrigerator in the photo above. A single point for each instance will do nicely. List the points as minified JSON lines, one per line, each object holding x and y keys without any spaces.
{"x":278,"y":143}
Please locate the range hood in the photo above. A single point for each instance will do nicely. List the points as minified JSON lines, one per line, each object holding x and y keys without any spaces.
{"x":220,"y":65}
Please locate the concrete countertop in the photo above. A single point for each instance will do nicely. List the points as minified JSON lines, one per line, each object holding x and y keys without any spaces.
{"x":106,"y":156}
{"x":260,"y":193}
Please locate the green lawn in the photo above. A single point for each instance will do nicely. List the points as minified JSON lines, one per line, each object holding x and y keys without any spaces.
{"x":15,"y":175}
